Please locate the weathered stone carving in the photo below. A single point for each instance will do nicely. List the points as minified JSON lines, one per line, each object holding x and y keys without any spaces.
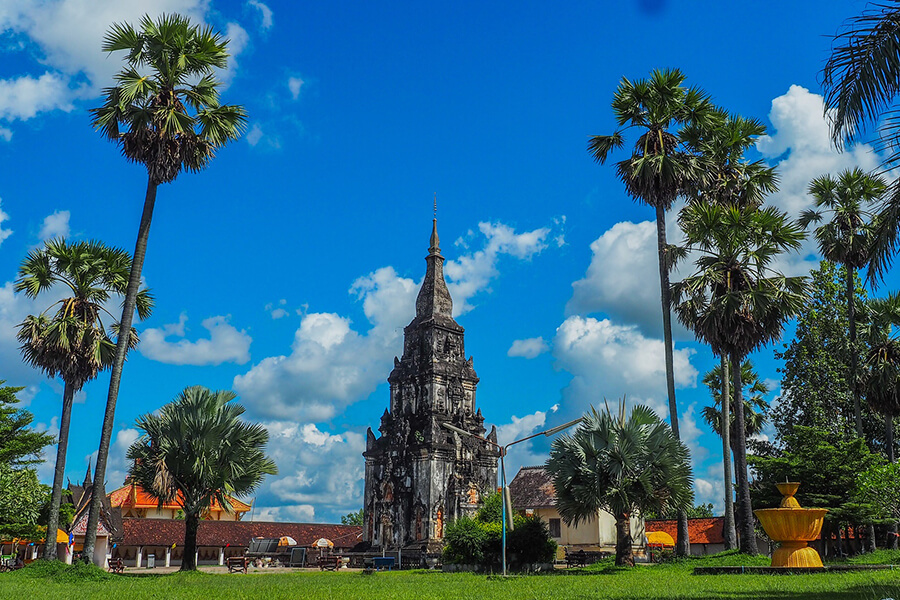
{"x":416,"y":463}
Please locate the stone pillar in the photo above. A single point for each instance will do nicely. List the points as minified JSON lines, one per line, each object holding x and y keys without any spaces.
{"x":139,"y":558}
{"x":221,"y":556}
{"x":168,"y":556}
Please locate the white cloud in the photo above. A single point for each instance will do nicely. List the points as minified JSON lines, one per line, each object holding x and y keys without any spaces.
{"x":472,"y":273}
{"x":316,"y":469}
{"x":25,"y":96}
{"x":294,"y":84}
{"x":4,"y":233}
{"x":55,"y":225}
{"x":225,"y":344}
{"x":278,"y":312}
{"x":254,"y":135}
{"x":800,"y":147}
{"x":332,"y":365}
{"x":6,"y":134}
{"x":238,"y":40}
{"x":528,"y":348}
{"x":265,"y":13}
{"x":13,"y":310}
{"x":609,"y":361}
{"x":65,"y":35}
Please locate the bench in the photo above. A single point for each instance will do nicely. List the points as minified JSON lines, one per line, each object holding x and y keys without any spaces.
{"x":381,"y":563}
{"x":237,"y":564}
{"x":329,"y":562}
{"x":115,"y":565}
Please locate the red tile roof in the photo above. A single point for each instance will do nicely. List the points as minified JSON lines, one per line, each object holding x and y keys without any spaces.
{"x":133,"y":496}
{"x":702,"y":531}
{"x":165,"y":532}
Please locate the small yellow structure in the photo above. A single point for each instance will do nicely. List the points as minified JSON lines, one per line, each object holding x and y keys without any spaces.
{"x":793,"y":527}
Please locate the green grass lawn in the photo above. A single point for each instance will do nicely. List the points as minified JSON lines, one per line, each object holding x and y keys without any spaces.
{"x":599,"y":581}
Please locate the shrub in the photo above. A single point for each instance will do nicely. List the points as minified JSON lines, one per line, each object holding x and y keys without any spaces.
{"x":464,"y":542}
{"x":530,"y":542}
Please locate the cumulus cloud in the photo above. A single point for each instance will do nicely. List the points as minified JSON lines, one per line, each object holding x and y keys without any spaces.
{"x":316,"y":469}
{"x":528,"y":348}
{"x":800,"y":147}
{"x":25,"y":96}
{"x":6,"y":134}
{"x":225,"y":343}
{"x":265,"y":14}
{"x":55,"y":225}
{"x":332,"y":364}
{"x":609,"y":361}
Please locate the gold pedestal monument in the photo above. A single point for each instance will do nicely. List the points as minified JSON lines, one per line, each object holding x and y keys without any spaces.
{"x":792,"y":527}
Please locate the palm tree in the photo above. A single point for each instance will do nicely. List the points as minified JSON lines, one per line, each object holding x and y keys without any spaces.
{"x":658,"y":171}
{"x":728,"y":179}
{"x":73,"y":343}
{"x":620,"y":465}
{"x":861,"y":80}
{"x":196,"y":450}
{"x":755,"y":405}
{"x":163,"y":113}
{"x":847,"y":240}
{"x":882,"y":363}
{"x":736,"y":303}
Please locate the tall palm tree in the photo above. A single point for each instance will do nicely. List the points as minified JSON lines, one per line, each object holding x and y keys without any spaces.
{"x":73,"y":343}
{"x":755,"y":405}
{"x":195,"y":451}
{"x":658,"y":171}
{"x":847,"y":240}
{"x":621,"y":465}
{"x":164,"y":113}
{"x":861,"y":80}
{"x":728,"y":179}
{"x":736,"y":302}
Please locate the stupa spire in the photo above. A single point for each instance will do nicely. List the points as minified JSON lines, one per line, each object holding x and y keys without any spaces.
{"x":434,"y":297}
{"x":87,"y":476}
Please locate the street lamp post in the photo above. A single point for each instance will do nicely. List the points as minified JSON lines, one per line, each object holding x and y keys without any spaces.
{"x":505,"y":501}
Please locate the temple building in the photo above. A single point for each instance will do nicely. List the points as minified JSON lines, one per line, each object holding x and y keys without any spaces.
{"x":137,"y":503}
{"x":419,"y":474}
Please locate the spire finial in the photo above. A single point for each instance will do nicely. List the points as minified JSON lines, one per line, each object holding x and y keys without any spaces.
{"x":87,"y":476}
{"x":435,"y":247}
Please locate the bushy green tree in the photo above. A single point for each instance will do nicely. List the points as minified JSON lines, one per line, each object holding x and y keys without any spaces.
{"x":354,"y":518}
{"x":20,"y":445}
{"x":815,"y":376}
{"x":22,"y":497}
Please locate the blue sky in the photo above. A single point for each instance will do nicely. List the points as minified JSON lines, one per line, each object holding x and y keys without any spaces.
{"x":287,"y":270}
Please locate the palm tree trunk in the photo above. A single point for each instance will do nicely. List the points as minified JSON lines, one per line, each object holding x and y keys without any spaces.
{"x":56,"y":494}
{"x":683,"y":543}
{"x":889,"y":446}
{"x":889,"y":437}
{"x":748,"y":531}
{"x":191,"y":524}
{"x":624,"y":542}
{"x":728,"y":528}
{"x":134,"y":282}
{"x":854,"y":359}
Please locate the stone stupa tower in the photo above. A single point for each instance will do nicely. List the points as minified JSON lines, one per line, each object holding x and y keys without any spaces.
{"x":420,"y":475}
